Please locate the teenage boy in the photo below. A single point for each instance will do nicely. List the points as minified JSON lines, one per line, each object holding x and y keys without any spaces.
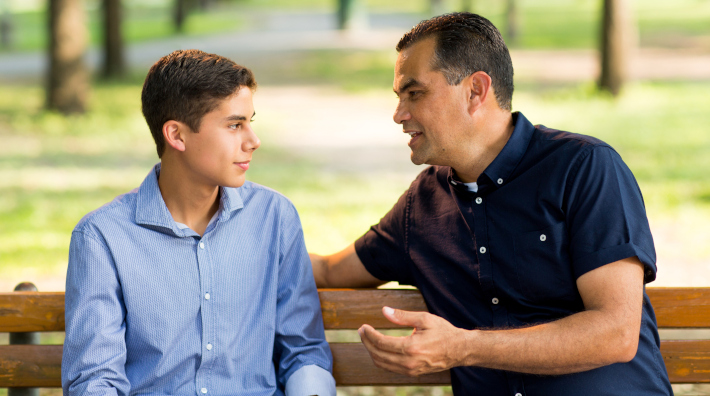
{"x":198,"y":282}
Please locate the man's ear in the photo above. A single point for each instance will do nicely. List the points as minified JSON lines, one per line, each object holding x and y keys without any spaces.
{"x":479,"y":86}
{"x":172,"y":132}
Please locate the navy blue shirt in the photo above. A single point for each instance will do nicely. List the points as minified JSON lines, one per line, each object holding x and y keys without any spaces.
{"x":551,"y":207}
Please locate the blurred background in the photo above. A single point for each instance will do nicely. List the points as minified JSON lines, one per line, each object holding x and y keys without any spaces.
{"x":633,"y":73}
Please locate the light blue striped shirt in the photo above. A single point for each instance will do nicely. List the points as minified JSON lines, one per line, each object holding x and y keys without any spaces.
{"x":155,"y":309}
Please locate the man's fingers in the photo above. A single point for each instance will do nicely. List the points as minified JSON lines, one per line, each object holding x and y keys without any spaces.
{"x":404,"y":318}
{"x":373,"y":339}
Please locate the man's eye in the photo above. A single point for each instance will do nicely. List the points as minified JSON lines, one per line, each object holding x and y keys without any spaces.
{"x":414,"y":93}
{"x":235,"y":126}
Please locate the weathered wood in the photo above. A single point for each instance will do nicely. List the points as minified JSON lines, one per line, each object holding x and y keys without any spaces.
{"x":39,"y":365}
{"x":687,"y":361}
{"x":30,"y":366}
{"x":683,"y":307}
{"x":350,"y":309}
{"x":31,"y":311}
{"x":352,"y":366}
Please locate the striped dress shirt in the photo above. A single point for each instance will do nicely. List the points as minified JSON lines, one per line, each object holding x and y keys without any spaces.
{"x":155,"y":309}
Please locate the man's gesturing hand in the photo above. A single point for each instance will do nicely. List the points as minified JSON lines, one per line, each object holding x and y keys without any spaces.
{"x":431,"y":347}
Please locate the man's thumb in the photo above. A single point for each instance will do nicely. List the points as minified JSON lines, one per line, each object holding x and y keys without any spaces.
{"x":400,"y":317}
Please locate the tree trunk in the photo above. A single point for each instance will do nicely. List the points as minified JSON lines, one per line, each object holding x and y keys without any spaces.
{"x":352,"y":15}
{"x":180,"y":14}
{"x":616,"y":38}
{"x":68,"y":82}
{"x":114,"y":62}
{"x":6,"y":25}
{"x":513,"y":23}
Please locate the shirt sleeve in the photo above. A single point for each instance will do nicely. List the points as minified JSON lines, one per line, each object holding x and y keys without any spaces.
{"x":606,"y":215}
{"x":94,"y":357}
{"x":383,"y":248}
{"x":300,"y":338}
{"x":310,"y":380}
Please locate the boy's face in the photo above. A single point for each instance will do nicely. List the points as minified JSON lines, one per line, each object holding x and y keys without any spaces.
{"x":219,"y":154}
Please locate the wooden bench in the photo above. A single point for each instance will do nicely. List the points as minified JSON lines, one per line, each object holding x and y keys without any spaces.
{"x":687,"y":361}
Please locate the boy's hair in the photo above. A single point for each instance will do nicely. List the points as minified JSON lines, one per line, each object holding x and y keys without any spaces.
{"x":467,"y":43}
{"x":186,"y":85}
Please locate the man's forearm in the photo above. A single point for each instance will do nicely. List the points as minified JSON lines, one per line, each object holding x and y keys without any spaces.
{"x":580,"y":342}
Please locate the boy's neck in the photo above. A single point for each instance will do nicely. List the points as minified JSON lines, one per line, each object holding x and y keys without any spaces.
{"x":189,"y":202}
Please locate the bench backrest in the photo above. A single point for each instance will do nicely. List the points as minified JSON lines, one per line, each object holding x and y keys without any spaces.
{"x":687,"y":361}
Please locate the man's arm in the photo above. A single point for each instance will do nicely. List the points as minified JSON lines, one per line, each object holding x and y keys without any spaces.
{"x":342,"y":269}
{"x":94,"y":357}
{"x":606,"y":332}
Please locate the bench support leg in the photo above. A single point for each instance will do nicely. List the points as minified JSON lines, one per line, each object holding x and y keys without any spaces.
{"x":24,"y":339}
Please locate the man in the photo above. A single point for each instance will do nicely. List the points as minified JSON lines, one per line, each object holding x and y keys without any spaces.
{"x":197,"y":282}
{"x":530,"y":245}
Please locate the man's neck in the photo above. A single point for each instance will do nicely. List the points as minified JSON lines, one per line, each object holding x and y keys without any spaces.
{"x":494,"y":134}
{"x":189,"y":203}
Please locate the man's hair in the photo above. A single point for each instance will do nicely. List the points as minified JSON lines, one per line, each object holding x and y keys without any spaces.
{"x":467,"y":43}
{"x":186,"y":85}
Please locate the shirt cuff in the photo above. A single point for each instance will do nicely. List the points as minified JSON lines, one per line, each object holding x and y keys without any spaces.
{"x":310,"y":380}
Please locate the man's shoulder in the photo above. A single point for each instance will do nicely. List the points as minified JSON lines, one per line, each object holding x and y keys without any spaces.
{"x":121,"y":209}
{"x":560,"y":137}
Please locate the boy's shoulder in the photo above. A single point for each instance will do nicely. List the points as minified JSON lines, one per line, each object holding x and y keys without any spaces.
{"x":120,"y":210}
{"x":256,"y":195}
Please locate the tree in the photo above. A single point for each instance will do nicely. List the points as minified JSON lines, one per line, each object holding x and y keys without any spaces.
{"x":352,"y":15}
{"x":616,"y":43}
{"x":113,"y":58}
{"x":513,"y":24}
{"x":6,"y":25}
{"x":68,"y":82}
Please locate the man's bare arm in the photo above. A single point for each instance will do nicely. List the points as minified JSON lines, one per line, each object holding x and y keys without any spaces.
{"x":342,"y":269}
{"x":606,"y":332}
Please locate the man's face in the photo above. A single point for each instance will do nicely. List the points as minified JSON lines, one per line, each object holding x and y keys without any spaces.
{"x":219,"y":154}
{"x":429,"y":109}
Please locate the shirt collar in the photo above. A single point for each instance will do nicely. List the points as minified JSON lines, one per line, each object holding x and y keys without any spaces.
{"x":502,"y":167}
{"x":152,"y":211}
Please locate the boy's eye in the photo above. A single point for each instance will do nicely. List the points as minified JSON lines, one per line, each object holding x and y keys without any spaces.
{"x":234,"y":126}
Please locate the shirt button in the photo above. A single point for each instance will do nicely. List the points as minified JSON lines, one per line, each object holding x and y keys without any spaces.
{"x":207,"y":296}
{"x":203,"y":390}
{"x":209,"y":347}
{"x":479,"y":200}
{"x":482,"y":249}
{"x":202,"y":245}
{"x":518,"y":394}
{"x":543,"y":237}
{"x":500,"y":181}
{"x":494,"y":300}
{"x":453,"y":182}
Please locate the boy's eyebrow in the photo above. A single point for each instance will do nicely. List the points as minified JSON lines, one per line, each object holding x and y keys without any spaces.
{"x":407,"y":84}
{"x":235,"y":117}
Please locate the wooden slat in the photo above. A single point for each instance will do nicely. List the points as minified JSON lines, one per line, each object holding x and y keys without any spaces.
{"x":681,"y":307}
{"x":31,"y":311}
{"x":687,"y":361}
{"x":39,"y":365}
{"x":350,"y":309}
{"x":353,"y":366}
{"x":30,"y":365}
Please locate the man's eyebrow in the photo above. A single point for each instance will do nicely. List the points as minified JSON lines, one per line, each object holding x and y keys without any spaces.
{"x":408,"y":84}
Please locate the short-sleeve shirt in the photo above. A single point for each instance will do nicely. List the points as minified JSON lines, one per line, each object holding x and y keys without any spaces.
{"x":551,"y":207}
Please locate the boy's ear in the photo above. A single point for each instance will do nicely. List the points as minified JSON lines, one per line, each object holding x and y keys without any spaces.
{"x":172,"y":132}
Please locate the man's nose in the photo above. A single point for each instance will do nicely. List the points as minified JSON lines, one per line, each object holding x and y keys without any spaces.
{"x":401,"y":114}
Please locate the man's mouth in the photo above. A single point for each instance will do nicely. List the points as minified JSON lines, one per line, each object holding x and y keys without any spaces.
{"x":413,"y":136}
